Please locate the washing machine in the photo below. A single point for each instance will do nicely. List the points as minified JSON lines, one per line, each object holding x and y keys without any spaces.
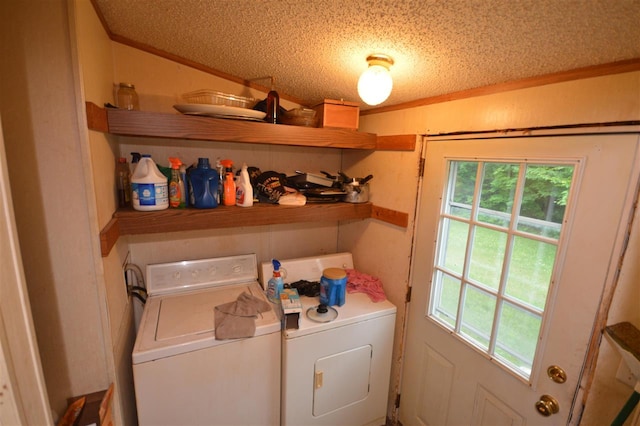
{"x":182,"y":374}
{"x":335,"y":371}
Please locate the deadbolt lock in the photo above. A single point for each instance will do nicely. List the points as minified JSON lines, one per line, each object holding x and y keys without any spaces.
{"x":557,"y":374}
{"x":547,"y":405}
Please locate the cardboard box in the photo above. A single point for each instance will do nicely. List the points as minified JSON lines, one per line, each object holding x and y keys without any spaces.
{"x":340,"y":114}
{"x":291,"y":307}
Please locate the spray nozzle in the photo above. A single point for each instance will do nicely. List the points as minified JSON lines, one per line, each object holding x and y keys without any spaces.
{"x":228,"y":169}
{"x":175,"y":163}
{"x":276,"y":265}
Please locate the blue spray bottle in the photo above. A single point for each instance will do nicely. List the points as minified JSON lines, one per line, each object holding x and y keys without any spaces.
{"x":275,"y":284}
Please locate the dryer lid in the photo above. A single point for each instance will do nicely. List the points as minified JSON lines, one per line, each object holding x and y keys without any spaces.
{"x":306,"y":268}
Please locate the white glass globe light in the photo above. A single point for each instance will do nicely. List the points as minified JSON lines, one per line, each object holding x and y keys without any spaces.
{"x":375,"y":83}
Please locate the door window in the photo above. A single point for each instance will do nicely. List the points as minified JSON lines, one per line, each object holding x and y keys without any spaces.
{"x":499,"y":230}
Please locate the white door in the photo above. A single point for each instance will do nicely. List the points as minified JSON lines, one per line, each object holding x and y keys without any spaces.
{"x":514,"y":243}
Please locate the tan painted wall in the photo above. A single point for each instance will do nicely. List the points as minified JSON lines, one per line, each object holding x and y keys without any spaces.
{"x":96,"y":67}
{"x":386,"y":250}
{"x":39,"y":106}
{"x":593,"y":100}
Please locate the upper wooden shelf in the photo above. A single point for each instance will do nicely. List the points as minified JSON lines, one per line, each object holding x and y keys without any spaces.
{"x":179,"y":126}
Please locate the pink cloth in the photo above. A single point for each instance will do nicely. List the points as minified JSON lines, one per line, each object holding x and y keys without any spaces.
{"x":358,"y":282}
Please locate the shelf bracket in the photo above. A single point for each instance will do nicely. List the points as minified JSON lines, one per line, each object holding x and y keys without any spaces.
{"x":396,"y":143}
{"x":109,"y":236}
{"x":390,"y":216}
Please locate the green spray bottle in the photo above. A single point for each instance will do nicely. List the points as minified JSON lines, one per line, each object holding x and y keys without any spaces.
{"x":177,"y":196}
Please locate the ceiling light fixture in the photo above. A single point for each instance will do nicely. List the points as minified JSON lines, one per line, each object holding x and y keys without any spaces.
{"x":375,"y":83}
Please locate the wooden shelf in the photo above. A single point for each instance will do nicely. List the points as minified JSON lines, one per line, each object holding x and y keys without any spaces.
{"x":170,"y":220}
{"x":131,"y":222}
{"x":178,"y":126}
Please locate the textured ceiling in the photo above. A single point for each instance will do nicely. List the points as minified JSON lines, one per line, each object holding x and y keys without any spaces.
{"x":316,"y":49}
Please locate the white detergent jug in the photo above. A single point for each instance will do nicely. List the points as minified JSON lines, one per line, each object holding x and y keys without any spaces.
{"x":149,"y":187}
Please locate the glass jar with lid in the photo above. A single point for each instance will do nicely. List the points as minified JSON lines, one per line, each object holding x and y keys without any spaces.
{"x":127,"y":97}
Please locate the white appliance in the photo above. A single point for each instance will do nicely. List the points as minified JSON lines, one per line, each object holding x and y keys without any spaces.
{"x":335,"y":373}
{"x":182,"y":374}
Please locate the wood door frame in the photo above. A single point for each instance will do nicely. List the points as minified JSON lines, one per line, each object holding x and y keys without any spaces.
{"x":608,"y":291}
{"x":24,"y":395}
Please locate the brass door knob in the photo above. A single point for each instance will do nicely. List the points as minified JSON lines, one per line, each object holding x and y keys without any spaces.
{"x":547,"y":405}
{"x":557,"y":374}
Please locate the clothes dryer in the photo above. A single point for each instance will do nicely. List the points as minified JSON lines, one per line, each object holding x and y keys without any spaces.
{"x":336,"y":372}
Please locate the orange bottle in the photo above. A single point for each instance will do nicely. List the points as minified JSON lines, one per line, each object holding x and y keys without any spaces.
{"x":229,"y":192}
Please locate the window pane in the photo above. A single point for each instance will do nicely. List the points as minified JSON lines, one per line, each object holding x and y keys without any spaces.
{"x":477,"y":316}
{"x":475,"y":249}
{"x":544,"y":199}
{"x":487,"y":256}
{"x":447,"y":296}
{"x":530,"y":271}
{"x":461,"y":187}
{"x":517,"y":337}
{"x":454,"y":245}
{"x":498,"y":191}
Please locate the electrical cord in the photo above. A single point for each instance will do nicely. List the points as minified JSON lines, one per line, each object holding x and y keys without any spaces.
{"x":137,"y":291}
{"x":138,"y":296}
{"x":137,"y":272}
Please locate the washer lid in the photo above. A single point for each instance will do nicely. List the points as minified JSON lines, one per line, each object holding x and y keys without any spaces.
{"x":182,"y":322}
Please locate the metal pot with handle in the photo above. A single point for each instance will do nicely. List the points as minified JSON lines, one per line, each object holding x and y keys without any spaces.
{"x":357,"y":190}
